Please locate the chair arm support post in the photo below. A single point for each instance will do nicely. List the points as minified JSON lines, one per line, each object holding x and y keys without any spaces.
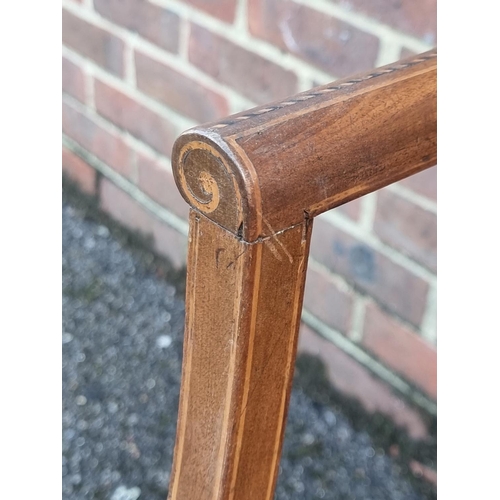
{"x":243,"y":307}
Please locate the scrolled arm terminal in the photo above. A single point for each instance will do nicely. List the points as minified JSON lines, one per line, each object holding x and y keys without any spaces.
{"x":259,"y":172}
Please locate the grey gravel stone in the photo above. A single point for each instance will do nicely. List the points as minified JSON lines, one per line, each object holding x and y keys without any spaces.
{"x":122,"y":352}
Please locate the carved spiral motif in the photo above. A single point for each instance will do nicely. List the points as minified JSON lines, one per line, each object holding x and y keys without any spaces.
{"x":210,"y":187}
{"x":207,"y":183}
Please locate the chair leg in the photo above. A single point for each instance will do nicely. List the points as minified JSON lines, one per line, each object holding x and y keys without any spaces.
{"x":243,"y":308}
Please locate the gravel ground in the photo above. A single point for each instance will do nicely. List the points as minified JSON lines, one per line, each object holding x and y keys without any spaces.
{"x":122,"y":350}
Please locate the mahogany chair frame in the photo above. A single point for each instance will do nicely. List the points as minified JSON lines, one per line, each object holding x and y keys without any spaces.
{"x":255,"y":181}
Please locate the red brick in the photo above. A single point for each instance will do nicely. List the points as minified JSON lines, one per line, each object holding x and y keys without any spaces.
{"x":140,"y":121}
{"x":406,"y":227}
{"x":408,"y":16}
{"x":165,"y":240}
{"x":178,"y":91}
{"x":124,"y":209}
{"x":170,"y":243}
{"x":158,"y":183}
{"x":73,"y":80}
{"x":325,"y":300}
{"x":78,"y":171}
{"x":223,"y":9}
{"x":324,"y":41}
{"x":93,"y":42}
{"x":401,"y":349}
{"x":367,"y":269}
{"x":109,"y":148}
{"x":424,"y":183}
{"x":351,"y":209}
{"x":251,"y":75}
{"x":405,"y":53}
{"x":354,"y":380}
{"x":151,"y":21}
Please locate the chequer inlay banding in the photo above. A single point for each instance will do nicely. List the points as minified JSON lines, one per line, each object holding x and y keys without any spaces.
{"x":333,"y":87}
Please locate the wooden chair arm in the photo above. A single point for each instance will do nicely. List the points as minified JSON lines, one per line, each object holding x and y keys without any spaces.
{"x":255,"y":181}
{"x":259,"y":172}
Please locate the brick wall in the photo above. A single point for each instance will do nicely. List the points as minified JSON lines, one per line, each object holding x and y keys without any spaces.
{"x":136,"y":73}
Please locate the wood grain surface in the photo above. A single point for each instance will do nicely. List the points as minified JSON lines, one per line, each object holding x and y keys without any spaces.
{"x":255,"y":181}
{"x":275,"y":165}
{"x":242,"y":318}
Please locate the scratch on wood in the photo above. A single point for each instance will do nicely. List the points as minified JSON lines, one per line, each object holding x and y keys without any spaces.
{"x":275,"y":238}
{"x":237,"y":257}
{"x":273,"y":249}
{"x":217,"y":253}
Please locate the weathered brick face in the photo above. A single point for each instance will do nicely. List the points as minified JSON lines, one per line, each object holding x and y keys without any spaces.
{"x":78,"y":171}
{"x":107,"y":146}
{"x":407,"y":227}
{"x":254,"y":76}
{"x":401,"y":349}
{"x":322,"y":40}
{"x":328,"y":301}
{"x":73,"y":80}
{"x":94,"y":43}
{"x":137,"y":72}
{"x":154,"y":23}
{"x":369,"y":270}
{"x":130,"y":115}
{"x":407,"y":16}
{"x":178,"y":91}
{"x":158,"y":183}
{"x":222,"y":9}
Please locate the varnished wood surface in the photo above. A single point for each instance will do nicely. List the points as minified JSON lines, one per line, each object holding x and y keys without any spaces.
{"x":255,"y":181}
{"x":267,"y":169}
{"x":242,"y":316}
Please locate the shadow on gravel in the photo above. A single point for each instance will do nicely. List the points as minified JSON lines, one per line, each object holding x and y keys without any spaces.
{"x":123,"y":315}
